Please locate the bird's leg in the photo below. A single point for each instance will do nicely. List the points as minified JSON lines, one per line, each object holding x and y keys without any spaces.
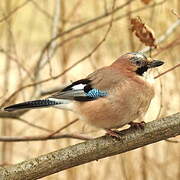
{"x":137,"y":125}
{"x":113,"y":133}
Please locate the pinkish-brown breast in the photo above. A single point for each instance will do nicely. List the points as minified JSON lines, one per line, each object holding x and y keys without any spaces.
{"x":126,"y":102}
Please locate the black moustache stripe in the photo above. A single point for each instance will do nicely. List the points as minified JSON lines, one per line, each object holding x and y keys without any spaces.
{"x":141,"y":70}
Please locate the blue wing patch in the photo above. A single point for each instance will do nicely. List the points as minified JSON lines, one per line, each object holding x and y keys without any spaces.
{"x":80,"y":90}
{"x":95,"y":93}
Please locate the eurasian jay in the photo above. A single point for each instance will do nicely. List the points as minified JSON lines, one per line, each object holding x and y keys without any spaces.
{"x":108,"y":98}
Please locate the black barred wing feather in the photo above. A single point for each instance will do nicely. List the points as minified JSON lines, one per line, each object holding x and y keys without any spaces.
{"x":31,"y":105}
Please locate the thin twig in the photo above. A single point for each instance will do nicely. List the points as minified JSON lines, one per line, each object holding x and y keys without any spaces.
{"x":55,"y":30}
{"x":175,"y":42}
{"x":89,"y":31}
{"x":5,"y":18}
{"x":52,"y":90}
{"x":33,"y":125}
{"x":40,"y":9}
{"x":43,"y":137}
{"x":60,"y":129}
{"x":16,"y":60}
{"x":172,"y":141}
{"x":78,"y":27}
{"x":165,"y":35}
{"x":170,"y":69}
{"x":161,"y":99}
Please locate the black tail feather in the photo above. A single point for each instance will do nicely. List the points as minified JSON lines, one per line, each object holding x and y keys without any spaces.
{"x":31,"y":104}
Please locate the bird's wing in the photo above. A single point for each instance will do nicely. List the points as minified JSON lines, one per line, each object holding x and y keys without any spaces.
{"x":80,"y":90}
{"x":96,"y":85}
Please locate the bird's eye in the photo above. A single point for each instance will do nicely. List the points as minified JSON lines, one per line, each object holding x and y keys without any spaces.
{"x":138,"y":62}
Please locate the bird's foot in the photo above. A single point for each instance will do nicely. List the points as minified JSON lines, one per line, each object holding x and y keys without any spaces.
{"x":137,"y":125}
{"x":113,"y":133}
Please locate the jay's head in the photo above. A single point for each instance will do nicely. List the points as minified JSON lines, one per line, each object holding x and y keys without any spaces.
{"x":136,"y":62}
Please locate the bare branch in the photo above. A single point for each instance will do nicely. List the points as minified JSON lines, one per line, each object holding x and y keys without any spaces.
{"x":174,"y":67}
{"x":64,"y":127}
{"x":93,"y":150}
{"x":14,"y":11}
{"x":82,"y":25}
{"x":172,"y":141}
{"x":4,"y":114}
{"x":92,"y":29}
{"x":43,"y":11}
{"x":48,"y":44}
{"x":44,"y":137}
{"x":33,"y":125}
{"x":162,"y":38}
{"x":52,"y":90}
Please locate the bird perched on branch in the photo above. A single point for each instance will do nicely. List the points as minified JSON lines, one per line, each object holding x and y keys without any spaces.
{"x":108,"y":98}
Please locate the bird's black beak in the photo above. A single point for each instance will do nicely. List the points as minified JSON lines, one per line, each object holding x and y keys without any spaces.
{"x":155,"y":63}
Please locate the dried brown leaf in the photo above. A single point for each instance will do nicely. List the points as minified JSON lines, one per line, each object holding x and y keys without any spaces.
{"x":143,"y":32}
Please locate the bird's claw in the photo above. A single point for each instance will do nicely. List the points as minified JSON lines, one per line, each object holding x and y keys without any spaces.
{"x":113,"y":133}
{"x":137,"y":125}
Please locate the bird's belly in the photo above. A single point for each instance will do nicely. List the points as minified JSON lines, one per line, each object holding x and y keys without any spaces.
{"x":117,"y":110}
{"x":104,"y":113}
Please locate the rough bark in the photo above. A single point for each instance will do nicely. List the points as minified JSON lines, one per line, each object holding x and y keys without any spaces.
{"x":93,"y":150}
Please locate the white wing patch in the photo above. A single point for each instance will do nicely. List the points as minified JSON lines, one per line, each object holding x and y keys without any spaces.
{"x":78,"y":87}
{"x":69,"y":106}
{"x":61,"y":101}
{"x":63,"y":104}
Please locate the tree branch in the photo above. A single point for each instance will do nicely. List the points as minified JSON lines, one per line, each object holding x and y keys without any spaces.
{"x":93,"y":150}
